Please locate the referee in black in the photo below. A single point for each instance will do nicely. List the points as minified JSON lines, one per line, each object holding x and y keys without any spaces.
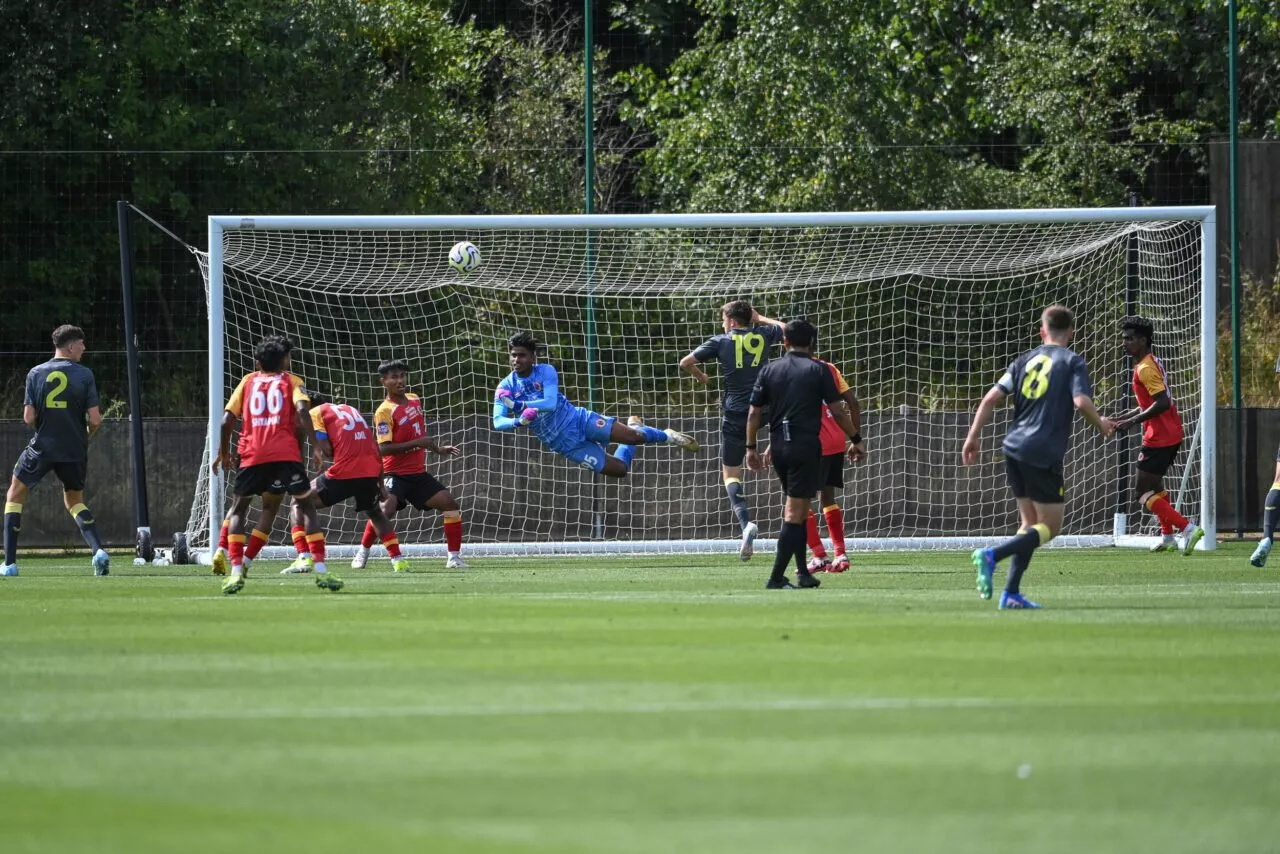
{"x":794,"y":388}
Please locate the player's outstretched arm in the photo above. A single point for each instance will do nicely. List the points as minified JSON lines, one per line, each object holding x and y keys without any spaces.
{"x":502,"y":420}
{"x":689,"y":364}
{"x":1084,"y":403}
{"x":981,"y":418}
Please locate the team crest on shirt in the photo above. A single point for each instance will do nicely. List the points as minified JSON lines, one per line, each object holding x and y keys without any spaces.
{"x":600,"y":423}
{"x":384,"y":429}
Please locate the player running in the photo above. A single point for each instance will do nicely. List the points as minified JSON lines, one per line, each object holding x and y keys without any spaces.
{"x":403,"y":442}
{"x":1047,"y":384}
{"x":270,"y":451}
{"x":61,"y":403}
{"x":742,"y":350}
{"x":1161,"y":436}
{"x":356,"y":474}
{"x":530,"y":397}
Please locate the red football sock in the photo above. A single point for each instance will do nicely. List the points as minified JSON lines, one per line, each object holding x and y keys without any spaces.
{"x":222,"y":535}
{"x":1166,"y":528}
{"x":815,"y":539}
{"x":299,"y":534}
{"x":316,"y":542}
{"x":1159,"y":505}
{"x":391,"y":544}
{"x":453,"y":533}
{"x":370,"y":536}
{"x":835,"y":526}
{"x":257,"y":540}
{"x":235,"y":546}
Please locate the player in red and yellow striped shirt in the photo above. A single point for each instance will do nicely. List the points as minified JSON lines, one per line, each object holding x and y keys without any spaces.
{"x":1161,"y":435}
{"x":273,"y":427}
{"x":834,"y":442}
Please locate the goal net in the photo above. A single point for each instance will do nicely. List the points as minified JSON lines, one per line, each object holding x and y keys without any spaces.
{"x":921,"y":311}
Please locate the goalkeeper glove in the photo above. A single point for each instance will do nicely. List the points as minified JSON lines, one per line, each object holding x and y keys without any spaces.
{"x":505,"y":399}
{"x":527,"y":417}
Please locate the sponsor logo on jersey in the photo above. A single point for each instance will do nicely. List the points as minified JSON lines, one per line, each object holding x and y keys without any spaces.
{"x":384,"y":429}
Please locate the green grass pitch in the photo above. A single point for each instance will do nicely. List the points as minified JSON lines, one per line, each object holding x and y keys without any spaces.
{"x":644,"y":705}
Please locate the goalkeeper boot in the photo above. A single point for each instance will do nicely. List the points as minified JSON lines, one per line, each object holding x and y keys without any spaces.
{"x":985,"y":561}
{"x":455,"y":561}
{"x":818,"y":564}
{"x":683,"y":441}
{"x":328,"y":581}
{"x":1191,"y":535}
{"x":747,"y":549}
{"x":234,"y":584}
{"x":9,"y":570}
{"x":400,"y":564}
{"x":1016,"y":602}
{"x":840,"y":564}
{"x":301,"y":565}
{"x":101,"y":562}
{"x":1167,"y":544}
{"x":361,"y":558}
{"x":1259,"y":558}
{"x":220,"y":563}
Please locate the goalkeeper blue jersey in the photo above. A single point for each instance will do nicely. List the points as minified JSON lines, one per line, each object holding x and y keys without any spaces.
{"x":557,"y":417}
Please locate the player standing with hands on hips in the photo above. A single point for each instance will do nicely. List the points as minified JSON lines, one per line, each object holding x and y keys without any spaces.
{"x":794,"y":388}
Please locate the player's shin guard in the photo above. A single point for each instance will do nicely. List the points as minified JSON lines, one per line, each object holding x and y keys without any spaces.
{"x":835,"y":526}
{"x":88,"y":529}
{"x":12,"y":525}
{"x":257,"y":540}
{"x":1270,"y":513}
{"x":1158,"y":503}
{"x":315,"y":542}
{"x":392,"y":544}
{"x":235,"y":548}
{"x":626,"y":453}
{"x":370,"y":536}
{"x":299,"y":535}
{"x":738,"y":501}
{"x":453,"y":531}
{"x":815,"y":539}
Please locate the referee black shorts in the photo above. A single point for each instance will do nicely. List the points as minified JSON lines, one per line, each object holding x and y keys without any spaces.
{"x":1043,"y":485}
{"x":801,"y":471}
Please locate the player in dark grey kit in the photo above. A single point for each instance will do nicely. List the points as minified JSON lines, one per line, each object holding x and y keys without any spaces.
{"x":1048,"y":384}
{"x":794,"y":388}
{"x":61,"y":403}
{"x":742,"y":350}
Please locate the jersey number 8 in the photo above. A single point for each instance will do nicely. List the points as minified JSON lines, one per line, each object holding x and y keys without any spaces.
{"x":1036,"y":382}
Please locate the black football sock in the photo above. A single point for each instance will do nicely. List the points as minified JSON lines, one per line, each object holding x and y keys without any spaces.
{"x":738,"y":502}
{"x":1271,"y":512}
{"x":12,"y":525}
{"x":88,"y":529}
{"x":1025,"y":541}
{"x":1017,"y":566}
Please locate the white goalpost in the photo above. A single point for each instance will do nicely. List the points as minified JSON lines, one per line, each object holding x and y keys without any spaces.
{"x":921,"y":310}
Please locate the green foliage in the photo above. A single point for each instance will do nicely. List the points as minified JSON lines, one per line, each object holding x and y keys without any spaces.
{"x":1259,"y":346}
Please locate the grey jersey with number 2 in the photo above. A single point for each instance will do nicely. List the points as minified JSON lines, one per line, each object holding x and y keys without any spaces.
{"x":1043,"y":383}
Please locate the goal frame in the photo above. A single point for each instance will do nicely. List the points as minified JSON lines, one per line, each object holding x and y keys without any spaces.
{"x":1206,"y":431}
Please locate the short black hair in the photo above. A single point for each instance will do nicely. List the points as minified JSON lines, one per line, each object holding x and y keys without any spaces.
{"x":271,"y":352}
{"x":317,"y":398}
{"x":392,"y":365}
{"x":523,"y":341}
{"x":1140,"y":326}
{"x":739,"y":311}
{"x":1058,"y":319}
{"x":800,"y":333}
{"x":66,"y":334}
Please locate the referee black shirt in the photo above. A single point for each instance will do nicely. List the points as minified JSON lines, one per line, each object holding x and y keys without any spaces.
{"x":794,"y":388}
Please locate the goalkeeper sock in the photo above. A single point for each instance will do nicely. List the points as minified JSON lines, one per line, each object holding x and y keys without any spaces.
{"x":1158,"y":503}
{"x":1025,"y":540}
{"x":1270,"y":515}
{"x":299,"y":534}
{"x":1017,"y":566}
{"x":88,"y":530}
{"x":257,"y":540}
{"x":815,"y":539}
{"x":391,"y":544}
{"x":235,"y":548}
{"x":835,"y":526}
{"x":733,"y":486}
{"x":315,"y":542}
{"x":652,"y":435}
{"x":370,"y":536}
{"x":222,"y":535}
{"x":625,"y":453}
{"x":453,"y":531}
{"x":12,"y":525}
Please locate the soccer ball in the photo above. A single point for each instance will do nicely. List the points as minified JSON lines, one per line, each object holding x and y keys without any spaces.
{"x":464,"y":257}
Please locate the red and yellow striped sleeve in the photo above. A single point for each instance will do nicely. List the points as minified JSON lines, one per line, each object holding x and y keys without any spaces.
{"x":235,"y":405}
